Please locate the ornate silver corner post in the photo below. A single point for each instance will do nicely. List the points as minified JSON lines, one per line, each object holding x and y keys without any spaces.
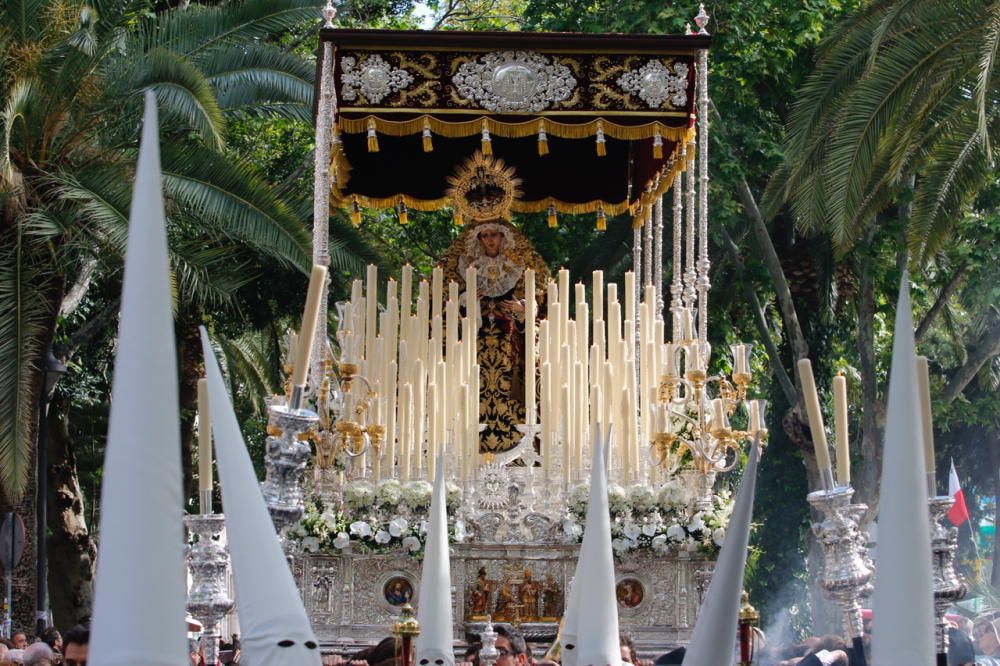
{"x":285,"y":458}
{"x":647,"y":246}
{"x":208,"y":560}
{"x":488,"y":654}
{"x":949,"y":587}
{"x":325,"y":142}
{"x":658,"y":255}
{"x":847,"y":573}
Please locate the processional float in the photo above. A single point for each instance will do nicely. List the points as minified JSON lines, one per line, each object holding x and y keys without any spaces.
{"x":607,"y":129}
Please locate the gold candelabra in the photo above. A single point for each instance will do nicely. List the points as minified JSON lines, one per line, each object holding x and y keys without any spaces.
{"x":690,"y":423}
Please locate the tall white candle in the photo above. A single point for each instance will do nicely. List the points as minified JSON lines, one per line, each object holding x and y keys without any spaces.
{"x":529,"y":345}
{"x":307,"y":333}
{"x":926,"y":415}
{"x":371,"y":311}
{"x":630,"y":296}
{"x":811,"y":398}
{"x":840,"y":430}
{"x":204,"y":447}
{"x":547,"y":450}
{"x":598,"y":298}
{"x":567,"y":445}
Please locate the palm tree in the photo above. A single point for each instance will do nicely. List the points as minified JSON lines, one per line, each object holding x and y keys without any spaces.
{"x":72,"y":79}
{"x":904,"y":91}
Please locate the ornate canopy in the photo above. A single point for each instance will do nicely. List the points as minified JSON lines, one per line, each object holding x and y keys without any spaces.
{"x":588,"y":122}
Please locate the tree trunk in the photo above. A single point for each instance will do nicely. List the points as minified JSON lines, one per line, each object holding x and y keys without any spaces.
{"x":24,"y":573}
{"x":72,"y":553}
{"x":995,"y":570}
{"x":189,"y":358}
{"x":866,"y":479}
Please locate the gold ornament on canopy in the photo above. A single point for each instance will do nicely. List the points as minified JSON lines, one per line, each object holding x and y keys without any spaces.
{"x":483,"y":188}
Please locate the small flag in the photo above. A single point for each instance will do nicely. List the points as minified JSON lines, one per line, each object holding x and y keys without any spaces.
{"x":959,"y":513}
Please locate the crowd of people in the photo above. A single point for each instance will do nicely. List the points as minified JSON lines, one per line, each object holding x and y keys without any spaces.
{"x":50,"y":648}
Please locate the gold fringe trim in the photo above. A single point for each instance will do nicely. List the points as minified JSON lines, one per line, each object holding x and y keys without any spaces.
{"x":675,"y":166}
{"x":456,"y":130}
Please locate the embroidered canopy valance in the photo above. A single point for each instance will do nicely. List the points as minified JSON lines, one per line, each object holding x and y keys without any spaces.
{"x":590,"y":123}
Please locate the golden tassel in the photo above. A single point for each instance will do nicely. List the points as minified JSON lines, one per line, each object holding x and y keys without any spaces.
{"x":372,"y":138}
{"x":404,"y":217}
{"x":428,"y":143}
{"x":602,"y":220}
{"x":487,"y":141}
{"x":552,"y":218}
{"x":459,"y":221}
{"x":602,"y":149}
{"x":355,"y":213}
{"x":543,"y":140}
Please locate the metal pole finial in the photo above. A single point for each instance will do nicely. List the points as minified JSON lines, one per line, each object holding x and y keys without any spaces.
{"x":701,"y":20}
{"x":329,"y":13}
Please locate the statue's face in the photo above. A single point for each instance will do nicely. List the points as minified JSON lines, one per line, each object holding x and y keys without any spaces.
{"x":492,"y":240}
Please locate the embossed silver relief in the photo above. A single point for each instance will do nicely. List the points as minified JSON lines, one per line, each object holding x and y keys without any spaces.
{"x":655,"y":83}
{"x":514,"y":81}
{"x":374,"y":78}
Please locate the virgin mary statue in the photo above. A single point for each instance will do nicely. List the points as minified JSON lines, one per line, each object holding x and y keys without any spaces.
{"x":483,"y":191}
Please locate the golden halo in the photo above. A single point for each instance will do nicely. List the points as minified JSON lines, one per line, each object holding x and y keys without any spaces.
{"x":483,"y":188}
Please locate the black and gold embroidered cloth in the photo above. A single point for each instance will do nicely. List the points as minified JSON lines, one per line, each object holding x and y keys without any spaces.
{"x":413,"y":104}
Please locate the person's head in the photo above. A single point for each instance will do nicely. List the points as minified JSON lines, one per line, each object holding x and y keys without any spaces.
{"x":628,"y":648}
{"x":51,"y":637}
{"x":20,"y":640}
{"x":472,"y":653}
{"x":986,"y":637}
{"x":38,"y":654}
{"x":75,"y":644}
{"x":960,"y":649}
{"x":492,"y":240}
{"x":511,"y":646}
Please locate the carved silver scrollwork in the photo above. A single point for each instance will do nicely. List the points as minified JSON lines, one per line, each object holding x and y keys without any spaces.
{"x":540,"y":527}
{"x":373,"y":77}
{"x":656,"y":83}
{"x":514,"y":81}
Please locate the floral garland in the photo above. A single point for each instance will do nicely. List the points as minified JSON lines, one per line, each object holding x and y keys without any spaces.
{"x":644,"y":518}
{"x":375,"y":518}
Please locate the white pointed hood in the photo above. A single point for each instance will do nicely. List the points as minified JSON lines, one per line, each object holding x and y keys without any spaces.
{"x":903,"y":600}
{"x":719,"y":614}
{"x":597,"y":607}
{"x":274,"y":628}
{"x":142,"y":528}
{"x":434,"y":644}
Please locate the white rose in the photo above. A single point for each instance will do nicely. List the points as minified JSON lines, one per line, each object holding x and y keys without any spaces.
{"x":411,"y":544}
{"x":341,"y":541}
{"x":329,"y":518}
{"x":697,"y":523}
{"x":361,"y":528}
{"x":632,"y":531}
{"x":382,"y":537}
{"x":718,"y":536}
{"x":397,"y":526}
{"x":676,"y":533}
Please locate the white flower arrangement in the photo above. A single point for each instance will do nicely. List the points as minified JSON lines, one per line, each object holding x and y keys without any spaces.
{"x":359,"y":494}
{"x":417,"y":494}
{"x":389,"y":493}
{"x":654,"y":519}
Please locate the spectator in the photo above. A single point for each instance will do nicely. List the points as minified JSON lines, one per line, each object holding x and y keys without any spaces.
{"x":75,"y":645}
{"x":511,"y":646}
{"x":51,"y":637}
{"x":472,"y":653}
{"x":20,"y":640}
{"x":38,"y":654}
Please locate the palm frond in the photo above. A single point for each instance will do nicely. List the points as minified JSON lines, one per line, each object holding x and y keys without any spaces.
{"x":200,"y":28}
{"x":227,"y":192}
{"x":246,"y":73}
{"x":22,"y":331}
{"x":984,"y":75}
{"x":248,"y":360}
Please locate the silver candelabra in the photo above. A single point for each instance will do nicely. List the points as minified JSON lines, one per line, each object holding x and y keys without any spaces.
{"x":285,"y":460}
{"x":949,"y":587}
{"x":207,"y":559}
{"x":847,"y":571}
{"x":488,"y":654}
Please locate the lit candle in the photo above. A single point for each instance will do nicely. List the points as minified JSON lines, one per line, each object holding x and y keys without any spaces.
{"x":317,"y":282}
{"x":926,"y":419}
{"x":204,"y":448}
{"x":840,"y":427}
{"x":815,"y":421}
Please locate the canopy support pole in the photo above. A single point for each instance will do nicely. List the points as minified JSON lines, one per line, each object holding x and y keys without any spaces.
{"x":704,"y":264}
